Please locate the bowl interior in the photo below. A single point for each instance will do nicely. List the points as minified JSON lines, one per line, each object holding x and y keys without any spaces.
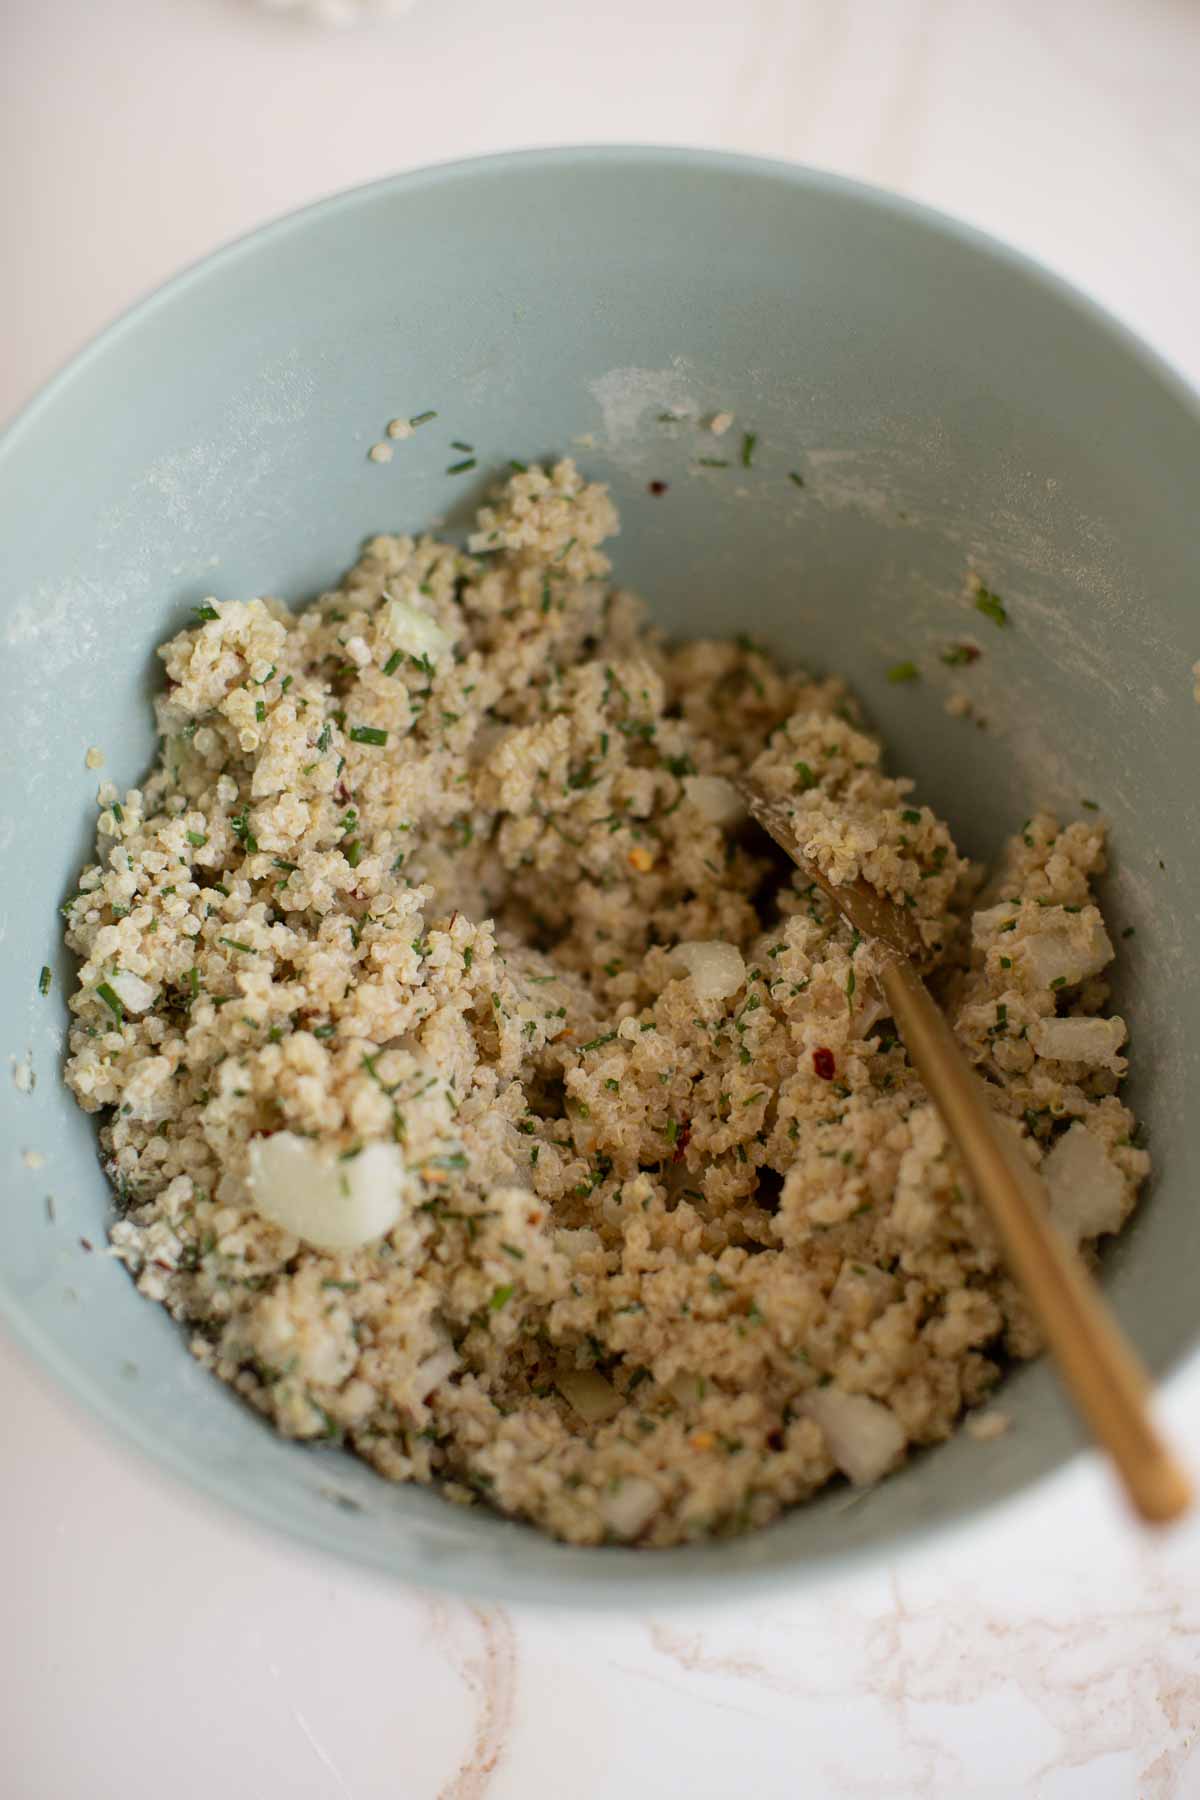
{"x":947,"y":408}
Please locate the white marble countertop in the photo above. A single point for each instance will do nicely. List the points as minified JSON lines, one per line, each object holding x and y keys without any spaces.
{"x":156,"y":1647}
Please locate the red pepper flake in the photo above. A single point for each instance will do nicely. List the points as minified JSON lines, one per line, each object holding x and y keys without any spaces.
{"x":683,"y":1140}
{"x":657,"y":487}
{"x":453,"y":916}
{"x":86,"y":1244}
{"x":341,"y":793}
{"x":824,"y":1064}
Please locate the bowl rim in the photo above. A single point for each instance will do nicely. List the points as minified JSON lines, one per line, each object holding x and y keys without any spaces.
{"x":623,"y":1578}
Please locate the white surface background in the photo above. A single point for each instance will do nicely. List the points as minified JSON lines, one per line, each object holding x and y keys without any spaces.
{"x":150,"y":1647}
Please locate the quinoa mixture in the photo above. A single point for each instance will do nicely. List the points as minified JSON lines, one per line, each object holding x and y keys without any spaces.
{"x":482,"y":1091}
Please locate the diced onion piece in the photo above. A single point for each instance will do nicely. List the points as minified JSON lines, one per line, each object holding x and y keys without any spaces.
{"x":629,"y":1509}
{"x":716,"y":968}
{"x":1092,"y":1041}
{"x":330,"y":1204}
{"x":989,"y":919}
{"x":434,"y":1370}
{"x":593,"y":1398}
{"x":863,"y":1437}
{"x":415,"y":632}
{"x":573,"y":1243}
{"x":687,"y":1387}
{"x":715,"y":799}
{"x":1067,"y":957}
{"x":1088,"y":1193}
{"x":134,"y":994}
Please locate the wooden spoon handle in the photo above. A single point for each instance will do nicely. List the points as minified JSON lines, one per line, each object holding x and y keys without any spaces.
{"x":1104,"y":1376}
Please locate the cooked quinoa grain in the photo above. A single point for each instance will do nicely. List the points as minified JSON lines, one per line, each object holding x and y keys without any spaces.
{"x":481,"y":1091}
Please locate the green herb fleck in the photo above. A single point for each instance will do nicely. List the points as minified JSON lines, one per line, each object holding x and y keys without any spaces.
{"x":904,"y":671}
{"x":44,"y":979}
{"x":805,"y":777}
{"x":749,"y":440}
{"x":501,"y":1297}
{"x":461,"y":468}
{"x":109,"y":997}
{"x":795,"y":477}
{"x":367,"y":734}
{"x":991,"y":606}
{"x":422,"y":418}
{"x":206,"y":611}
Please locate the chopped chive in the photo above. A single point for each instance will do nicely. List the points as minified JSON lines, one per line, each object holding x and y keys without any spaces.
{"x":246,"y":949}
{"x":422,"y":418}
{"x":904,"y":671}
{"x":324,"y":1031}
{"x":806,"y":777}
{"x":279,"y":863}
{"x":457,"y":444}
{"x":118,"y":812}
{"x":393,"y":662}
{"x":795,"y":477}
{"x":286,"y":683}
{"x":260,"y":710}
{"x":460,"y":468}
{"x":197,"y":839}
{"x":749,"y":440}
{"x":992,"y":606}
{"x":501,"y":1297}
{"x":44,"y":979}
{"x":518,"y":468}
{"x":1092,"y":805}
{"x":468,"y":956}
{"x":511,"y":1250}
{"x":367,"y":734}
{"x":108,"y":995}
{"x":352,"y":852}
{"x":712,"y":462}
{"x":323,"y":739}
{"x":608,"y":1038}
{"x":206,"y":611}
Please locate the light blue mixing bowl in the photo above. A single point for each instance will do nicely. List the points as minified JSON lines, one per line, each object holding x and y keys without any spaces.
{"x":947,"y":405}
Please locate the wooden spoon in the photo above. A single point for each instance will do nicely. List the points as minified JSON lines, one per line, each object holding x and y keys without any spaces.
{"x":1104,"y":1376}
